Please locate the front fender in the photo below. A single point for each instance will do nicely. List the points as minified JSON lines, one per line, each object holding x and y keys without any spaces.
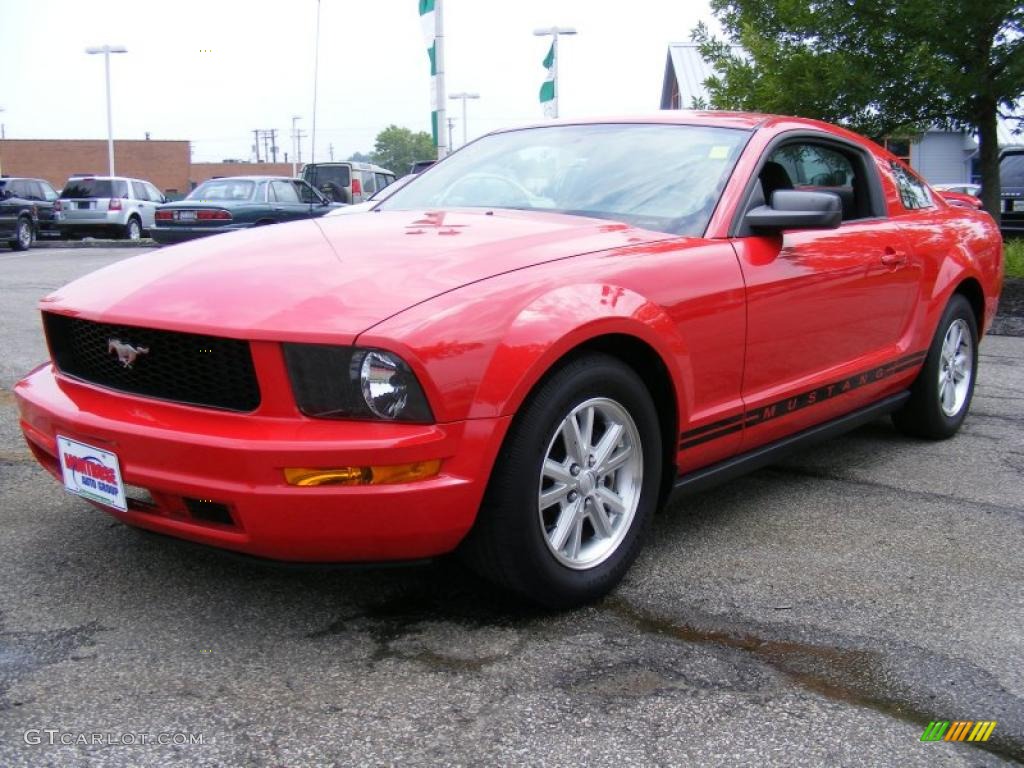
{"x":558,"y":321}
{"x":478,"y":356}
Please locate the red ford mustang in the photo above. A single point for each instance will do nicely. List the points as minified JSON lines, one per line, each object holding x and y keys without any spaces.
{"x":524,"y":352}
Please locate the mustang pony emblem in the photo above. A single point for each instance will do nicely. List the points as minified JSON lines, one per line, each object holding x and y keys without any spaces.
{"x":126,"y":353}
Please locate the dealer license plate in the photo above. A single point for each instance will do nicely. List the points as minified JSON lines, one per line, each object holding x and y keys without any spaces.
{"x":91,"y":473}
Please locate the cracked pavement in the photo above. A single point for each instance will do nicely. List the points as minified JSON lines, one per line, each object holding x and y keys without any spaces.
{"x":817,"y":612}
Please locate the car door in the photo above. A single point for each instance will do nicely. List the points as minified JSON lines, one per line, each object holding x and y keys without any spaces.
{"x":827,"y":310}
{"x":147,"y":207}
{"x":316,"y":204}
{"x":285,"y":204}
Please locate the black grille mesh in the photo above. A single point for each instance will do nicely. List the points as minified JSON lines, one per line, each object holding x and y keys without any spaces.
{"x":184,"y":367}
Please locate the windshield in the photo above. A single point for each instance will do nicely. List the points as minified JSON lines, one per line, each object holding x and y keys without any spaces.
{"x":1011,"y":170}
{"x":94,"y":188}
{"x":661,"y":177}
{"x":223,"y":189}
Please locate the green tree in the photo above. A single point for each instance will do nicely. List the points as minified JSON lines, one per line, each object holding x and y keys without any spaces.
{"x":880,"y":67}
{"x":360,"y":157}
{"x":398,"y":148}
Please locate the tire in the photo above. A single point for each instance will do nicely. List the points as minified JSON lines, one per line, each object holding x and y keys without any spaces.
{"x":133,"y":229}
{"x":23,"y":235}
{"x":540,"y":532}
{"x":941,"y":395}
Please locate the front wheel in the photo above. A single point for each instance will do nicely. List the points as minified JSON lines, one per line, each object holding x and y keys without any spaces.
{"x":23,"y":235}
{"x":941,"y":395}
{"x":573,"y":487}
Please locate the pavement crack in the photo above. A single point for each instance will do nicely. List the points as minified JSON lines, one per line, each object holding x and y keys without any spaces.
{"x":868,"y":676}
{"x":819,"y":474}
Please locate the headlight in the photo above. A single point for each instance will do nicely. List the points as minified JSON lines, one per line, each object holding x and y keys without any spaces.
{"x":351,"y":383}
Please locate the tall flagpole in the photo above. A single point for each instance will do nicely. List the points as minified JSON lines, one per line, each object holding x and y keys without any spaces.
{"x":442,"y":135}
{"x":316,"y":73}
{"x":554,"y":33}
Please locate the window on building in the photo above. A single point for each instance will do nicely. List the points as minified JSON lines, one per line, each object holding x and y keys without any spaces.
{"x":899,"y":147}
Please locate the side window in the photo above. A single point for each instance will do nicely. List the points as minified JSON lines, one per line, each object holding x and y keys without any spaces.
{"x":369,"y":183}
{"x":48,"y":193}
{"x":913,"y":194}
{"x":382,"y":181}
{"x":154,"y":193}
{"x":284,"y":192}
{"x":119,"y":187}
{"x":139,"y":190}
{"x":816,"y":167}
{"x":306,"y":193}
{"x":19,"y":189}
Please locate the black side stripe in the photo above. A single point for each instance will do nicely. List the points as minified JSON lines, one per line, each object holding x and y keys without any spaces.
{"x":761,"y":414}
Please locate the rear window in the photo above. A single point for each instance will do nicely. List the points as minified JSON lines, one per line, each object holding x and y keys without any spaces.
{"x":223,"y":189}
{"x":95,"y":188}
{"x":1011,"y":170}
{"x":330,"y":174}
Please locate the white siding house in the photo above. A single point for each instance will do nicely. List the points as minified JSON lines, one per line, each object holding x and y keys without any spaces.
{"x":941,"y":157}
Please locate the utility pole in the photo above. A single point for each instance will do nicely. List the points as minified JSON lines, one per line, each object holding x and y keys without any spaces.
{"x":554,"y":33}
{"x":330,"y":151}
{"x":256,"y":143}
{"x":463,"y":95}
{"x":296,"y":156}
{"x":273,"y":143}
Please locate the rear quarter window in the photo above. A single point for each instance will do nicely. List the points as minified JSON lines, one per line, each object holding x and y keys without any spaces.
{"x":913,"y":193}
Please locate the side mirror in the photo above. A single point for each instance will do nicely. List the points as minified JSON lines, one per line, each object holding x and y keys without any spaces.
{"x":797,"y":209}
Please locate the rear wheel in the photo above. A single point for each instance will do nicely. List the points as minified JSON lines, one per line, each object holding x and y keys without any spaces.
{"x":941,"y":395}
{"x":573,"y":487}
{"x":133,"y":229}
{"x":22,"y":235}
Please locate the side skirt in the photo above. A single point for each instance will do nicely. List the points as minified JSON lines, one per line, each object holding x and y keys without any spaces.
{"x":728,"y":469}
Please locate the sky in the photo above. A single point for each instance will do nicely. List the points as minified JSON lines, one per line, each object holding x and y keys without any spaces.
{"x":211,"y":71}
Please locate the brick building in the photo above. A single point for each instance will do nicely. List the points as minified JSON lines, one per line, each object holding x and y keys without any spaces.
{"x":167,"y":164}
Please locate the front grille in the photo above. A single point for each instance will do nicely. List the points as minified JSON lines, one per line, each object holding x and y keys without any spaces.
{"x":183,"y":367}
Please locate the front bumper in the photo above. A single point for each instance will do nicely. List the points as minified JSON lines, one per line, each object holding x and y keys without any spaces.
{"x":179,"y":452}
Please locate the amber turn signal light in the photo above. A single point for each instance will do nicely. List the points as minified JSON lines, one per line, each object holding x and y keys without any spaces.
{"x":385,"y":475}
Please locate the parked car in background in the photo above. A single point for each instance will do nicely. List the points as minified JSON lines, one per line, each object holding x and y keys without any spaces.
{"x":112,"y":206}
{"x":522,"y":375}
{"x":19,"y":220}
{"x":42,"y":196}
{"x":347,"y":182}
{"x":375,"y":199}
{"x":421,"y":165}
{"x":237,"y":202}
{"x":974,"y":190}
{"x":960,"y":199}
{"x":1011,"y":178}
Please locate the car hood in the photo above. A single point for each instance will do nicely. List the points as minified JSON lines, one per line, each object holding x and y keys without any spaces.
{"x":327,"y":280}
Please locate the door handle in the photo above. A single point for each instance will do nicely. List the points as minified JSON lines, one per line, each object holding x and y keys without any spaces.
{"x":893,"y":258}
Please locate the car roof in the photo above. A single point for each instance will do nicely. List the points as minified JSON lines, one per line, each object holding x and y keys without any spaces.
{"x":251,"y":177}
{"x":713,"y":118}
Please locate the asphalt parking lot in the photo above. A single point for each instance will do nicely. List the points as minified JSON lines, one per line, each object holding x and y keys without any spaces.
{"x":817,"y":613}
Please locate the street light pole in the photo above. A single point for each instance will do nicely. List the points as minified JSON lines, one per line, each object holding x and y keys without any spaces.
{"x":555,"y":33}
{"x":106,"y":50}
{"x":464,"y":95}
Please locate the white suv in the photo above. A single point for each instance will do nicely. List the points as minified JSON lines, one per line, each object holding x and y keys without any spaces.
{"x":108,"y":205}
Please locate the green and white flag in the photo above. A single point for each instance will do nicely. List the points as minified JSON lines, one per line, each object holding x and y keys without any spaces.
{"x":428,"y":23}
{"x":548,"y":97}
